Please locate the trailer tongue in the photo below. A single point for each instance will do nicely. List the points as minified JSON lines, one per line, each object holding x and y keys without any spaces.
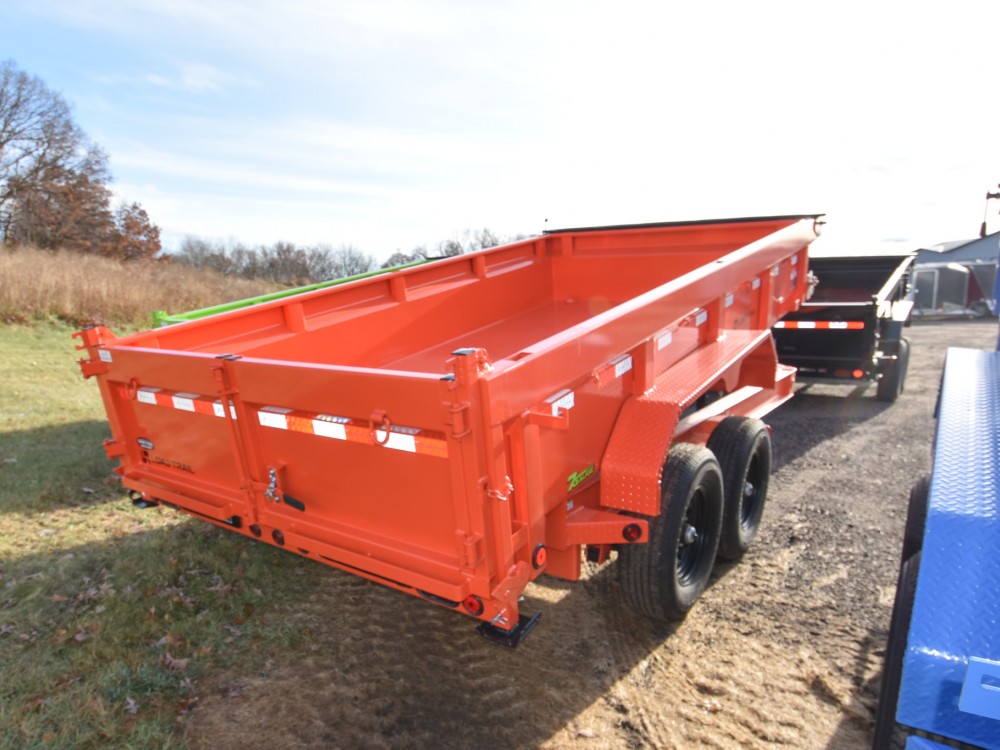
{"x":456,"y":429}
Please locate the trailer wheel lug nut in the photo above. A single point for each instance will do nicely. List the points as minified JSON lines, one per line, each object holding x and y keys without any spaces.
{"x":689,"y":535}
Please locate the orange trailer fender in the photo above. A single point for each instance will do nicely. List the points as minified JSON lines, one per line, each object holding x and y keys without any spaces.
{"x":743,"y":363}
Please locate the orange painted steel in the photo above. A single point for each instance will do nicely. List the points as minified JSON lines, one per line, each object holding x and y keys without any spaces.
{"x":456,"y":429}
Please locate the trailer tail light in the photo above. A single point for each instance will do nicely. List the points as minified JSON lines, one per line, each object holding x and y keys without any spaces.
{"x":632,"y":532}
{"x":858,"y":374}
{"x":255,"y":530}
{"x":473,"y":605}
{"x":278,"y":537}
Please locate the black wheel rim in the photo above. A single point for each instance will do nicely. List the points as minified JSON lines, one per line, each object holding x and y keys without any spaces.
{"x":694,"y":539}
{"x":753,"y":492}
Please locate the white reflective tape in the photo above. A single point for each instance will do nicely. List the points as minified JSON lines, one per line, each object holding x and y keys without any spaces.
{"x":755,"y":284}
{"x":564,"y":399}
{"x":795,"y":259}
{"x":323,"y":428}
{"x":806,"y":324}
{"x":147,"y":395}
{"x":664,"y":341}
{"x":221,"y":412}
{"x":623,"y":365}
{"x":837,"y":324}
{"x":397,"y":441}
{"x":271,"y":416}
{"x":104,"y":355}
{"x":700,"y":318}
{"x":729,"y":300}
{"x":182,"y":402}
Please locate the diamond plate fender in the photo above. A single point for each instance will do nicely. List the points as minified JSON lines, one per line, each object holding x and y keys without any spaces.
{"x":646,"y":425}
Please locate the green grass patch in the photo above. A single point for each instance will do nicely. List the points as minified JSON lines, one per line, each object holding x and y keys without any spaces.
{"x":110,"y":615}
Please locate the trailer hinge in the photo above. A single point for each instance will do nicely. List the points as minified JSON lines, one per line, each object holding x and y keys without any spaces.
{"x":459,"y":419}
{"x":470,"y":547}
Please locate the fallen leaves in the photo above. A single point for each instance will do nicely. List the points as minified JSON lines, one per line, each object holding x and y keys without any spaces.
{"x":178,"y":665}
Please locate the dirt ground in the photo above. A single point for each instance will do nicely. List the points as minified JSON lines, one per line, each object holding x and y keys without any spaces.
{"x":783,"y":650}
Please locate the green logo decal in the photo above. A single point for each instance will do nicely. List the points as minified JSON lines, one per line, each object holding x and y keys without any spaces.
{"x":576,"y":479}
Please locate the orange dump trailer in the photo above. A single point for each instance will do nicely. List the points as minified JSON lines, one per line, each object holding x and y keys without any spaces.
{"x":457,"y":429}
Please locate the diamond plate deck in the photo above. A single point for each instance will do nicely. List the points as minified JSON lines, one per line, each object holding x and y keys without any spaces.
{"x":956,"y":613}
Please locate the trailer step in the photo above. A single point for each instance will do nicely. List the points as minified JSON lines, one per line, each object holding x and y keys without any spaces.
{"x":509,"y":638}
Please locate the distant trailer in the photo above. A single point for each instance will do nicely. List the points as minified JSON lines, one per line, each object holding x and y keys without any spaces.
{"x":850,"y":331}
{"x":955,"y":289}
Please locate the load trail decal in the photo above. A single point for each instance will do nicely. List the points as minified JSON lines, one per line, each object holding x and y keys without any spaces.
{"x":405,"y":439}
{"x":577,"y":478}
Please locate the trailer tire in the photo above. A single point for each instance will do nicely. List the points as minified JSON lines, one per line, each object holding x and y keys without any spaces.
{"x":742,"y":446}
{"x":916,"y":518}
{"x":664,"y":577}
{"x":889,"y":734}
{"x":893,"y":379}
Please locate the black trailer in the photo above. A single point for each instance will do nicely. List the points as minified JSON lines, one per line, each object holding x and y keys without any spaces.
{"x":851,"y":329}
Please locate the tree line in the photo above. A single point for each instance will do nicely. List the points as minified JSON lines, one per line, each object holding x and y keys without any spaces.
{"x":54,"y":180}
{"x":54,"y":194}
{"x":286,"y":263}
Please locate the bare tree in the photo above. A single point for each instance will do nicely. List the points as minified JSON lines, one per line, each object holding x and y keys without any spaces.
{"x":348,"y":260}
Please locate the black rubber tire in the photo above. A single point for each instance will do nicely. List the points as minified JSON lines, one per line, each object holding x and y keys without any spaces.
{"x":743,"y":448}
{"x":889,"y":734}
{"x":664,"y":577}
{"x":916,"y":518}
{"x":893,"y":379}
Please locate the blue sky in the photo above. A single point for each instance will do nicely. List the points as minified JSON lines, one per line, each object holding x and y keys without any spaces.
{"x":391,"y":124}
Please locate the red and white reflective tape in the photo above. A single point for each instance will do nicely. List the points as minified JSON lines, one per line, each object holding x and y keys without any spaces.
{"x":191,"y":402}
{"x":824,"y":325}
{"x":406,"y":439}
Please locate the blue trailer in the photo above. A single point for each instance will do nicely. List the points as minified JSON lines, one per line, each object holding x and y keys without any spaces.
{"x":941,"y":682}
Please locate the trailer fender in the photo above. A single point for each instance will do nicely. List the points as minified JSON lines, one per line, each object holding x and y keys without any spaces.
{"x":744,"y":362}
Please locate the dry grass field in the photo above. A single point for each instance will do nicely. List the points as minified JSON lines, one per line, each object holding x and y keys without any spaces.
{"x":80,"y":289}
